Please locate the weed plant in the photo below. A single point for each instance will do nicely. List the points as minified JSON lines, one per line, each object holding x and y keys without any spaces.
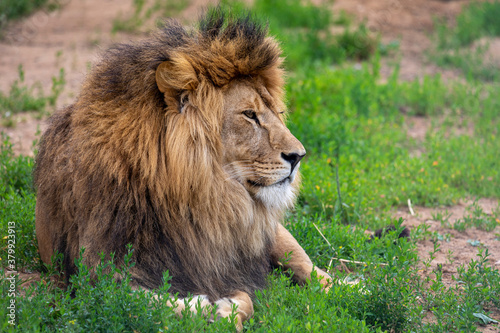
{"x":23,"y":98}
{"x":476,"y":217}
{"x":15,"y":9}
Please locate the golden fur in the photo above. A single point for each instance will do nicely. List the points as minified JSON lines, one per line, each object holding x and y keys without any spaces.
{"x":176,"y":145}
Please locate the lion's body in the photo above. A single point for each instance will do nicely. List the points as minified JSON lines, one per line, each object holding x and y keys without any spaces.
{"x":156,"y":152}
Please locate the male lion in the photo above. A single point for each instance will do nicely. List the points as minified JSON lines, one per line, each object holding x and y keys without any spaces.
{"x":178,"y":146}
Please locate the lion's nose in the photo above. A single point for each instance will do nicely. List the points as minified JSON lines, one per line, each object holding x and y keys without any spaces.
{"x":293,"y":159}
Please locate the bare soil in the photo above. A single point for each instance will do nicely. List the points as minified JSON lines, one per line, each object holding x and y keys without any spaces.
{"x":72,"y":38}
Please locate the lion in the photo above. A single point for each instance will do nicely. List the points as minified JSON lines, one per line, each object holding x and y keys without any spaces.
{"x":178,"y":146}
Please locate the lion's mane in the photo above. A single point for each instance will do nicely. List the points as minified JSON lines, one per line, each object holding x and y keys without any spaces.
{"x":123,"y":165}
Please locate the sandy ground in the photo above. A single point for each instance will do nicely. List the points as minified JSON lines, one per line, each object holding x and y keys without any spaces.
{"x":73,"y":37}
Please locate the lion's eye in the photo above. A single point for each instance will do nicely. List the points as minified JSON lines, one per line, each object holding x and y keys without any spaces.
{"x":251,"y":114}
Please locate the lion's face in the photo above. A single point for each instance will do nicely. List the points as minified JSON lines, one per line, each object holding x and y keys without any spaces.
{"x":259,"y":150}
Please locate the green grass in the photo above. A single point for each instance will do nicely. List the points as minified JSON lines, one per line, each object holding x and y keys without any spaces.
{"x":360,"y":165}
{"x":17,"y":204}
{"x":453,"y":43}
{"x":355,"y":123}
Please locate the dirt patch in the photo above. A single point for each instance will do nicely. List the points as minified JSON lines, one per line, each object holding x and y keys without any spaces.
{"x":68,"y":38}
{"x":492,"y":50}
{"x":417,"y":128}
{"x":26,"y":280}
{"x":456,"y":247}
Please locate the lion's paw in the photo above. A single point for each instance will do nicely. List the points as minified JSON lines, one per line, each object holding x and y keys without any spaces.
{"x":243,"y":304}
{"x":197,"y":302}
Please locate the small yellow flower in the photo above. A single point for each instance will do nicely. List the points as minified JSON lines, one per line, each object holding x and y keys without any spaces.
{"x":435,"y":163}
{"x":72,"y":322}
{"x":340,"y":247}
{"x":317,"y":187}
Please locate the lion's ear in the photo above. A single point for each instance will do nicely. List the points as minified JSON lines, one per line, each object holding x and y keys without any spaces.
{"x":177,"y":74}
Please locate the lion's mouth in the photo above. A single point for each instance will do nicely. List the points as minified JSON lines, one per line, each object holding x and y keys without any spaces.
{"x":280,"y":182}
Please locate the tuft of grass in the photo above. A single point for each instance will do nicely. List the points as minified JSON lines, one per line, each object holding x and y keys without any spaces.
{"x":358,"y":44}
{"x":477,"y":19}
{"x":23,"y":98}
{"x":17,"y":205}
{"x":442,"y":217}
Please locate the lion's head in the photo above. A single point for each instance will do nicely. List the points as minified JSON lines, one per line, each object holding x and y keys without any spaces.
{"x":233,"y":78}
{"x":178,"y":146}
{"x":259,"y":150}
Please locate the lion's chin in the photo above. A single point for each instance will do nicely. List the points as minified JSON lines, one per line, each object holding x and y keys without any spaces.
{"x":277,"y":196}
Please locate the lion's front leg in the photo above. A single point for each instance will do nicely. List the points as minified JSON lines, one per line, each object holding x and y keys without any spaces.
{"x":299,"y":262}
{"x":240,"y":299}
